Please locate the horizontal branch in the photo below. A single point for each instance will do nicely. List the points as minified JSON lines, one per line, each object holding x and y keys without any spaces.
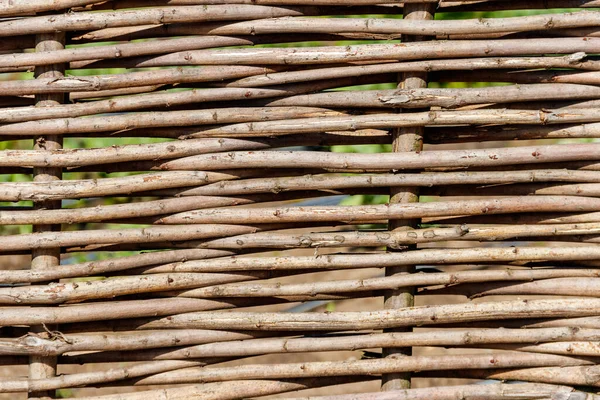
{"x":212,"y":344}
{"x":496,"y":391}
{"x":576,"y":60}
{"x":405,"y":26}
{"x":494,"y":157}
{"x":163,"y":15}
{"x":182,"y":148}
{"x":519,"y":189}
{"x":538,"y":218}
{"x":32,"y":115}
{"x":414,"y":316}
{"x":117,"y":4}
{"x":576,"y":376}
{"x":137,"y":49}
{"x":288,"y":371}
{"x":17,"y":7}
{"x":33,"y":343}
{"x":104,"y":267}
{"x":377,"y":260}
{"x":119,"y":286}
{"x":367,"y":52}
{"x":46,"y":240}
{"x":522,"y":77}
{"x":75,"y":189}
{"x":355,"y":214}
{"x":74,"y":292}
{"x":448,"y":98}
{"x":99,"y":83}
{"x":114,"y":310}
{"x":359,"y":367}
{"x":548,"y":280}
{"x":113,"y":211}
{"x":395,"y":239}
{"x":427,"y":179}
{"x":231,"y":389}
{"x":251,"y":346}
{"x":553,"y":287}
{"x":384,"y":120}
{"x":90,"y":378}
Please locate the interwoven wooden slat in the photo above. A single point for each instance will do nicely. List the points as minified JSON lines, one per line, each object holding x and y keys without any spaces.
{"x":348,"y":199}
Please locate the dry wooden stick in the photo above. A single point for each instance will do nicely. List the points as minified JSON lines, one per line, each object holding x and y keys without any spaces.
{"x":387,"y":161}
{"x":360,"y":367}
{"x":17,"y":7}
{"x":125,"y":50}
{"x":292,"y":322}
{"x":212,"y":344}
{"x":576,"y":61}
{"x":384,"y":120}
{"x":74,"y":189}
{"x":377,"y":260}
{"x":229,"y":390}
{"x":45,"y":240}
{"x":120,"y":286}
{"x":136,"y":340}
{"x":395,"y":239}
{"x":109,"y":266}
{"x":448,"y":98}
{"x":150,"y":100}
{"x":173,"y":149}
{"x":162,"y":15}
{"x":544,"y":189}
{"x":576,"y":376}
{"x":276,"y":120}
{"x":89,"y":378}
{"x":497,"y":391}
{"x":250,"y":345}
{"x":127,"y":121}
{"x":555,"y":287}
{"x":115,"y":211}
{"x":331,"y":181}
{"x":541,"y":218}
{"x":287,"y":371}
{"x":140,"y":324}
{"x":462,"y":284}
{"x":114,"y":310}
{"x":425,"y":315}
{"x":117,"y":4}
{"x":351,"y":214}
{"x":406,"y":26}
{"x":100,"y":83}
{"x":524,"y":5}
{"x":74,"y":292}
{"x":369,"y":52}
{"x":578,"y":348}
{"x":516,"y":76}
{"x":96,"y":95}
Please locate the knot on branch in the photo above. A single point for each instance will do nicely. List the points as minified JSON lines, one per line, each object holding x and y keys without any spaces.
{"x":56,"y":335}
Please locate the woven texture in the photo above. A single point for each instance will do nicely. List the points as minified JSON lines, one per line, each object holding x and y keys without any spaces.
{"x":223,"y":199}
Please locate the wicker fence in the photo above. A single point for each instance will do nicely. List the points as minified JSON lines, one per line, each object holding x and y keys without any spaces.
{"x":237,"y":198}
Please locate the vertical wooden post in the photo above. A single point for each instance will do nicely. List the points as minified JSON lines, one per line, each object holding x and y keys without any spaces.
{"x":405,"y":139}
{"x":45,"y":367}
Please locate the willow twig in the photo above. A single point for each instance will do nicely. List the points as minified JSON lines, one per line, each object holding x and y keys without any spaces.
{"x":369,"y":52}
{"x":576,"y":60}
{"x":377,"y":260}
